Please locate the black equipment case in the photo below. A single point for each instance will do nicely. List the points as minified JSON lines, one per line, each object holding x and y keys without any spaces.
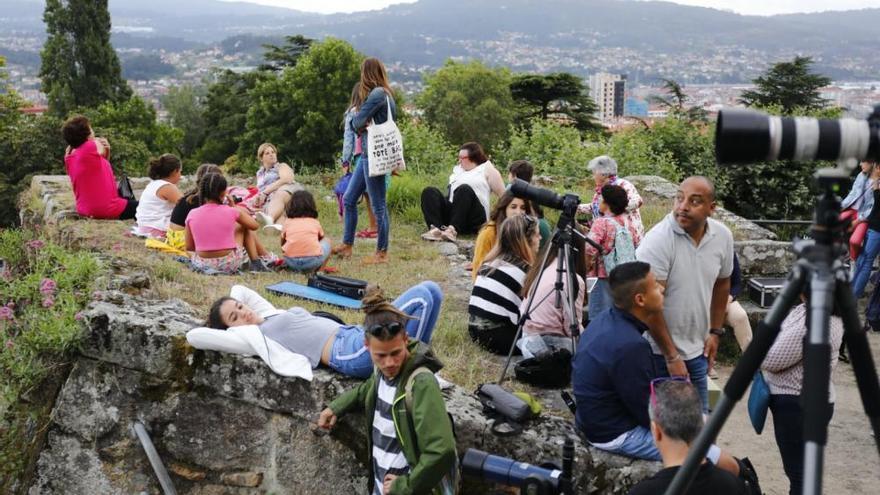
{"x":344,"y":286}
{"x":763,"y":291}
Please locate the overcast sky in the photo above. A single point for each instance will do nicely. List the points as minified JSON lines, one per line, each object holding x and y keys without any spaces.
{"x":753,"y":7}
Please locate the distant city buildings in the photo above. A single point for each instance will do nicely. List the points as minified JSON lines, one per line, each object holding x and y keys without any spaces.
{"x":608,"y":91}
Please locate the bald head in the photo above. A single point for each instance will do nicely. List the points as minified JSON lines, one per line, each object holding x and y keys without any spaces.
{"x":702,"y":182}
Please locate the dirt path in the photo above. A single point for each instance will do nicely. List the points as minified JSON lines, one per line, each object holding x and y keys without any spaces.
{"x":852,"y":465}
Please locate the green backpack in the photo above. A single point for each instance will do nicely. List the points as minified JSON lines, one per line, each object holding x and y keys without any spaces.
{"x":624,"y":249}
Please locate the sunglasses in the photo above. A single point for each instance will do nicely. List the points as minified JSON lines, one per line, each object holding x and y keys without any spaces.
{"x":389,"y":329}
{"x":656,"y":382}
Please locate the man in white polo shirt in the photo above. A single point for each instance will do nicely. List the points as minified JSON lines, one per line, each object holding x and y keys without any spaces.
{"x":692,"y":255}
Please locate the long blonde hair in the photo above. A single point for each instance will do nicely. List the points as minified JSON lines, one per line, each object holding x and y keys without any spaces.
{"x":513,"y":243}
{"x":373,"y":75}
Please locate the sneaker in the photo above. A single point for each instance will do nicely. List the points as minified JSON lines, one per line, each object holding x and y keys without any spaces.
{"x":255,"y":266}
{"x":276,"y":226}
{"x":449,"y":234}
{"x":263,"y":219}
{"x":434,"y":234}
{"x":271,"y":260}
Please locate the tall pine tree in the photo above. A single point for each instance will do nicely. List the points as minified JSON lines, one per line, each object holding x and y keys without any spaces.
{"x":80,"y":67}
{"x":791,"y":85}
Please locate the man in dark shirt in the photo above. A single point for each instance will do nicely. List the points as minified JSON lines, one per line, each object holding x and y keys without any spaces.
{"x":676,"y":419}
{"x":613,"y":369}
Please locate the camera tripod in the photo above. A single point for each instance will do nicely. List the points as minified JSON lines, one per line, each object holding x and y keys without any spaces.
{"x":820,"y":269}
{"x":565,"y":292}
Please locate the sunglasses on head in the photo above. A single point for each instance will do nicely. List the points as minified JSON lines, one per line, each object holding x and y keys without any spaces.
{"x":390,"y":329}
{"x":656,"y":382}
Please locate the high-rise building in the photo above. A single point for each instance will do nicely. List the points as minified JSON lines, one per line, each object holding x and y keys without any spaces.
{"x":608,"y":91}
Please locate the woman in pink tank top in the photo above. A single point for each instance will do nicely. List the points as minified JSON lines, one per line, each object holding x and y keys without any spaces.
{"x":91,"y":176}
{"x":223,"y":237}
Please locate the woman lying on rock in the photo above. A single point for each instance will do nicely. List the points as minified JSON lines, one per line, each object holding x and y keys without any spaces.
{"x":295,"y":341}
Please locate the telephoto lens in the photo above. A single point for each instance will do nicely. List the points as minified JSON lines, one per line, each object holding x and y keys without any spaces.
{"x":748,"y":136}
{"x":497,"y":469}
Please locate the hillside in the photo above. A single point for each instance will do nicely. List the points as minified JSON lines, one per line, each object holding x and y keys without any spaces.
{"x":644,"y":39}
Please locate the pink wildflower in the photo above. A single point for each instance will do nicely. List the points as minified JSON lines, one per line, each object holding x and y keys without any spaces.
{"x":48,"y":302}
{"x":10,"y":344}
{"x":117,"y":246}
{"x":48,"y":286}
{"x":6,"y":313}
{"x":78,"y":316}
{"x":35,"y":244}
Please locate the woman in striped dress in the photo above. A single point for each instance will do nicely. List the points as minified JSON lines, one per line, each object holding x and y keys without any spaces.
{"x":493,"y":308}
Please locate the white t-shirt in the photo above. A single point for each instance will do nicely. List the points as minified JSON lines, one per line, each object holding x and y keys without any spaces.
{"x":476,"y":179}
{"x":690,"y":273}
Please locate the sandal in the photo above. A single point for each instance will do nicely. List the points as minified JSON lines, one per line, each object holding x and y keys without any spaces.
{"x":367,"y":234}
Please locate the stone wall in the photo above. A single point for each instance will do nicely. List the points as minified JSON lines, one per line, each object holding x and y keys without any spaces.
{"x":226,"y":424}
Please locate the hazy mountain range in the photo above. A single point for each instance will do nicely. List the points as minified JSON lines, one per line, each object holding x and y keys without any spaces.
{"x":429,"y":31}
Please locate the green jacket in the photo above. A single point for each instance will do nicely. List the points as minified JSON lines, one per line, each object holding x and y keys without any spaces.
{"x":425,"y":433}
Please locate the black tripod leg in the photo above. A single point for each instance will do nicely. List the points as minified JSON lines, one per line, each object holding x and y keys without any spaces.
{"x":741,"y":378}
{"x":860,"y":357}
{"x":817,"y":373}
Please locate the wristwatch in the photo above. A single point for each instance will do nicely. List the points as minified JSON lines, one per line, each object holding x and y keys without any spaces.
{"x":717,"y":331}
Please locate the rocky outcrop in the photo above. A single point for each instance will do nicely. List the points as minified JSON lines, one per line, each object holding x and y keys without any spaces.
{"x":226,"y":424}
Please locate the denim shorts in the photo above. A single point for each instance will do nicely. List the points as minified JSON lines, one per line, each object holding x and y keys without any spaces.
{"x":348,"y":355}
{"x":309,"y":263}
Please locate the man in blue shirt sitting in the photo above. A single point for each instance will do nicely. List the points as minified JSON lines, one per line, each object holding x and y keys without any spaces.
{"x":613,"y":370}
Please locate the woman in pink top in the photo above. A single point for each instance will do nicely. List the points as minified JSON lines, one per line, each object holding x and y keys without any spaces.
{"x":94,"y":185}
{"x":604,"y":232}
{"x":549,"y":328}
{"x":305,"y":247}
{"x":222,"y":236}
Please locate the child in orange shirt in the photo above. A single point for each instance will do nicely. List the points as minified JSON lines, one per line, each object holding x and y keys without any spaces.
{"x":302,"y":238}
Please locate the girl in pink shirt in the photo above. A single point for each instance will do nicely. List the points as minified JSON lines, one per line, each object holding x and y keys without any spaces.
{"x":305,"y":247}
{"x":94,"y":185}
{"x":222,"y":236}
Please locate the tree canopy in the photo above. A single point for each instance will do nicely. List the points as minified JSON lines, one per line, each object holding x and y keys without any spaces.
{"x":560,"y":95}
{"x":790,"y":85}
{"x":79,"y":66}
{"x":469,"y":102}
{"x":278,"y":57}
{"x":301,"y":110}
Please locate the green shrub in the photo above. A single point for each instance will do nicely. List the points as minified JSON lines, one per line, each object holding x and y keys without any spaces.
{"x":553,"y":148}
{"x":405,"y":193}
{"x":426,"y":151}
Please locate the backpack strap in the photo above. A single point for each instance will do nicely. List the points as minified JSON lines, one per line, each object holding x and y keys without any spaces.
{"x":407,"y":388}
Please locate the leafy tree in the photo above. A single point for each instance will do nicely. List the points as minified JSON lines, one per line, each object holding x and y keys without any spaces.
{"x":79,"y":67}
{"x":143,"y":67}
{"x":675,"y":101}
{"x":186,"y":112}
{"x":790,"y":85}
{"x":278,"y":57}
{"x":301,"y":110}
{"x":469,"y":102}
{"x":426,"y":151}
{"x":32,"y":145}
{"x":225,"y":115}
{"x":134,"y":133}
{"x":561,"y":96}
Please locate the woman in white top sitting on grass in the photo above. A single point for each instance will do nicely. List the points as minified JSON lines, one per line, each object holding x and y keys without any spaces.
{"x":159,"y":197}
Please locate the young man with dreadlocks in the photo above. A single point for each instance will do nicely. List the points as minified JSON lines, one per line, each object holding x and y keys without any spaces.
{"x":411,"y":443}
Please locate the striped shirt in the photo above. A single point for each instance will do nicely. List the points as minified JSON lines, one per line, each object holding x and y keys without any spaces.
{"x":387,"y":454}
{"x":496,"y":294}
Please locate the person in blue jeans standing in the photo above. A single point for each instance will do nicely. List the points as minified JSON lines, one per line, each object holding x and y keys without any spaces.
{"x":872,"y":246}
{"x":378,"y":100}
{"x":692,"y":255}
